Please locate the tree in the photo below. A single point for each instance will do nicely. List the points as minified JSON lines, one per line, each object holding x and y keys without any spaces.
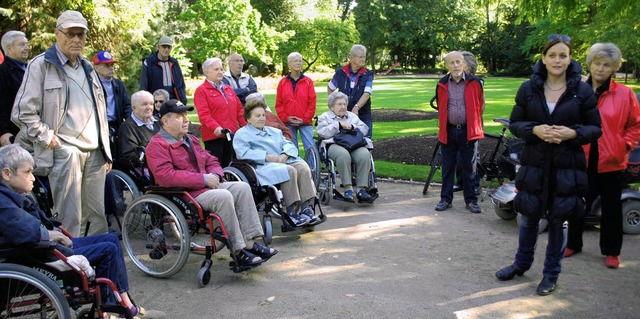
{"x":221,"y":29}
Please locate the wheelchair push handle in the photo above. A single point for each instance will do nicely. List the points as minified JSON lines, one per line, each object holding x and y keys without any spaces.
{"x":228,"y":134}
{"x":504,"y":121}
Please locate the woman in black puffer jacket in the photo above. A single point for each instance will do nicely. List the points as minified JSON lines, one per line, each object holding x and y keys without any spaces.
{"x":555,"y":114}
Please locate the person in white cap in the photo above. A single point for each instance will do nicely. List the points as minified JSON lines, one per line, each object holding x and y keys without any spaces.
{"x":60,"y":109}
{"x":161,"y":71}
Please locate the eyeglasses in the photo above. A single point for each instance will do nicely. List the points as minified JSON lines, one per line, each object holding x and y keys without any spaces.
{"x":238,"y":61}
{"x":554,"y":36}
{"x":70,"y":35}
{"x":159,"y":101}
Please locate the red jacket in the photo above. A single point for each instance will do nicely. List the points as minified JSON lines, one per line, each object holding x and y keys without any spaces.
{"x":173,"y":164}
{"x":300,"y":103}
{"x":215,"y":111}
{"x":620,"y":127}
{"x":474,"y":99}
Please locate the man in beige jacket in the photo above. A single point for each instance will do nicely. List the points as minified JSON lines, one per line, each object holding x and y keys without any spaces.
{"x":60,"y":109}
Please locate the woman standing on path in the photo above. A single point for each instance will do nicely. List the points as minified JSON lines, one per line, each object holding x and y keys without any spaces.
{"x":555,"y":114}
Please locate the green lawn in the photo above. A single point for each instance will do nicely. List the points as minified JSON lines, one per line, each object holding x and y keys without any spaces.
{"x":415,"y":94}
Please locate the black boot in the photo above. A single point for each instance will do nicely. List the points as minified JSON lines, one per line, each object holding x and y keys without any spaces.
{"x":547,"y":286}
{"x":507,"y":273}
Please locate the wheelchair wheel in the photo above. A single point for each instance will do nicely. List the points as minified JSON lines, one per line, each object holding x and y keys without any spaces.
{"x":268,"y":229}
{"x":204,"y":276}
{"x":156,"y":236}
{"x":126,"y":192}
{"x":27,"y":293}
{"x":233,"y":174}
{"x":325,"y":196}
{"x":313,"y":160}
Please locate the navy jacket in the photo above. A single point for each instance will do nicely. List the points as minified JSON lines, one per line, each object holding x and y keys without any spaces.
{"x":23,"y":224}
{"x":553,"y":178}
{"x":151,"y":79}
{"x":123,"y":103}
{"x":343,"y":84}
{"x":10,"y":79}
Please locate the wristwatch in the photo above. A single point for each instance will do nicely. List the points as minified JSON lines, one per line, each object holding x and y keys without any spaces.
{"x":356,"y":107}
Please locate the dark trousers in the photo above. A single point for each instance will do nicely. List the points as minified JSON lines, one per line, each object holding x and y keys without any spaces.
{"x":104,"y":253}
{"x":527,"y":238}
{"x":222,"y":149}
{"x":457,"y":144}
{"x":609,"y":187}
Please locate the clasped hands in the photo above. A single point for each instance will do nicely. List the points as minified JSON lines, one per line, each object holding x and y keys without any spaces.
{"x":554,"y":134}
{"x":282,"y":158}
{"x":295,"y":121}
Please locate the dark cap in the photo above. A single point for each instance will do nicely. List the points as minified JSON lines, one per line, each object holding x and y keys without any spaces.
{"x":174,"y":106}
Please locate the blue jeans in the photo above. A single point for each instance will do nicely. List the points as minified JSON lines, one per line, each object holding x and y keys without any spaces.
{"x":457,"y":144}
{"x":306,"y":132}
{"x":527,"y":239}
{"x":104,"y":253}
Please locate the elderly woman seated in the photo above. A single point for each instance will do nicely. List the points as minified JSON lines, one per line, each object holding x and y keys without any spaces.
{"x":276,"y":162}
{"x":26,"y":225}
{"x":338,"y":120}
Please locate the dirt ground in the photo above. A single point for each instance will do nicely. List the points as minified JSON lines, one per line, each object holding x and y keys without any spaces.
{"x":399,"y":258}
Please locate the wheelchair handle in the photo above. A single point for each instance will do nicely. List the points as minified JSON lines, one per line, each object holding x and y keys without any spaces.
{"x":227,"y":134}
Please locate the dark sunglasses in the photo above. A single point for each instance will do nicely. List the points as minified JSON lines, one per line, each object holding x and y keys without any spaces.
{"x":554,"y":36}
{"x":159,"y":101}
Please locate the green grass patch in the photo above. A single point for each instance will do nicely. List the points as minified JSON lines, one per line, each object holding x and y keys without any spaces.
{"x":415,"y":94}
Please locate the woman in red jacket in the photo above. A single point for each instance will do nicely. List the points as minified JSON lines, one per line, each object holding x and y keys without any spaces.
{"x":608,"y":156}
{"x":296,"y":102}
{"x":218,"y":108}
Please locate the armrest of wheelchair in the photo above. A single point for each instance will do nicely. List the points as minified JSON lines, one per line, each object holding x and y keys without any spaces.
{"x":503,"y":121}
{"x":7,"y":252}
{"x":166,"y":189}
{"x":237,"y":162}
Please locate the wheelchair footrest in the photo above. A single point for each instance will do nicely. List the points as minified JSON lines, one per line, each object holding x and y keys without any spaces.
{"x":237,"y":268}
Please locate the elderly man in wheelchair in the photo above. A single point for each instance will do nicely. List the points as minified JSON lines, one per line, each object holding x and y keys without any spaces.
{"x":25,"y":226}
{"x":343,"y":142}
{"x":176,"y":159}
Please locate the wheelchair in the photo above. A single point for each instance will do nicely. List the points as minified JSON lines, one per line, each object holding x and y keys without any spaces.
{"x":324,"y":174}
{"x":162,"y":226}
{"x":268,"y":199}
{"x":32,"y":289}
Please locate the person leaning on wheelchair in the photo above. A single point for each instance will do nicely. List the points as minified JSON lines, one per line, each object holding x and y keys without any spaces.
{"x":25,"y":225}
{"x":176,"y":159}
{"x":339,"y":121}
{"x":276,"y":162}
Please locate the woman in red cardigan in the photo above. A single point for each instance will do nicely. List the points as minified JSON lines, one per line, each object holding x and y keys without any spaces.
{"x":218,"y":108}
{"x":296,"y":102}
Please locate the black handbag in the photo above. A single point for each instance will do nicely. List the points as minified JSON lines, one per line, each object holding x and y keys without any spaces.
{"x":350,"y":139}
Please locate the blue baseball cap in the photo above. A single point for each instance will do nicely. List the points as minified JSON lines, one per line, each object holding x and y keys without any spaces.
{"x":103,"y":57}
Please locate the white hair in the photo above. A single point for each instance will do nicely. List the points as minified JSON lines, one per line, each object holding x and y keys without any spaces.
{"x":208,"y":63}
{"x":9,"y":37}
{"x":293,"y":55}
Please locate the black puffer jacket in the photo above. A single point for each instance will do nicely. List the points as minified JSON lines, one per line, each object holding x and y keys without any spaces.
{"x":553,"y":177}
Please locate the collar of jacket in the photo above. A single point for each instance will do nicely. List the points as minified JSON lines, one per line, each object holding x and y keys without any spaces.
{"x":468,"y":77}
{"x":51,"y":56}
{"x":347,"y":70}
{"x":573,"y":75}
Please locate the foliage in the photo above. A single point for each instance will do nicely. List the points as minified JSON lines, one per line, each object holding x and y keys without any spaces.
{"x":221,"y":29}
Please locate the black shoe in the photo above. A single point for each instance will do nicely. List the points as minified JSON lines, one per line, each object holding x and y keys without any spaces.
{"x":547,"y":286}
{"x":264,"y":252}
{"x":363,"y":196}
{"x":474,"y":208}
{"x":443,"y":205}
{"x":247,"y":258}
{"x":348,"y":196}
{"x":507,"y":273}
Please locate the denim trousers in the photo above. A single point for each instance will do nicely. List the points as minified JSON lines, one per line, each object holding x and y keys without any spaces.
{"x":306,"y":132}
{"x":457,"y":144}
{"x":527,"y":239}
{"x":105,"y":253}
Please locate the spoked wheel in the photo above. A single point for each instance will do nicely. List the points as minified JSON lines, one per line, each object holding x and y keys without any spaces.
{"x":126,"y":193}
{"x":436,"y":163}
{"x":156,"y":236}
{"x":233,"y":174}
{"x":313,"y":160}
{"x":26,"y":293}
